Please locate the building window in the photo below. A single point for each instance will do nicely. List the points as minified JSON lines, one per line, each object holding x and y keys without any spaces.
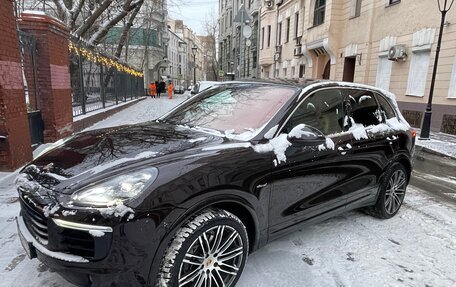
{"x":279,"y":36}
{"x":391,"y":2}
{"x":269,"y":35}
{"x":355,"y":8}
{"x":288,"y":31}
{"x":254,"y":61}
{"x":302,"y":71}
{"x":319,"y":12}
{"x":296,"y":25}
{"x":418,"y":72}
{"x":284,"y":72}
{"x":384,"y":72}
{"x":293,"y":71}
{"x":262,"y":38}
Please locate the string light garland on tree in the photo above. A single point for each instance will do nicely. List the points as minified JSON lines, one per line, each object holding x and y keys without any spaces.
{"x":98,"y":59}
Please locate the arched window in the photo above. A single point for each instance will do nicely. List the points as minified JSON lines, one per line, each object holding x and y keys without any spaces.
{"x":319,"y":12}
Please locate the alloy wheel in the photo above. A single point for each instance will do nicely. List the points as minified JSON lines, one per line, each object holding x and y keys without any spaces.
{"x":213,"y":259}
{"x":395,"y":191}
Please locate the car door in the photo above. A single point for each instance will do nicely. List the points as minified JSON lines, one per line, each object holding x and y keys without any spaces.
{"x":372,"y":145}
{"x":314,"y":178}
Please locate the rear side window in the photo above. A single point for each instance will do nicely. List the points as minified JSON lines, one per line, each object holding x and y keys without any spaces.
{"x":322,"y":110}
{"x":385,"y":107}
{"x":362,"y":108}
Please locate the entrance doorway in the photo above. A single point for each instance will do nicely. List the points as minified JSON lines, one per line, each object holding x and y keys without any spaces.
{"x":349,"y":69}
{"x":327,"y":71}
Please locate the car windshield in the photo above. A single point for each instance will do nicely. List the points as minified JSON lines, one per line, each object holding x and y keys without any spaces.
{"x":240,"y":109}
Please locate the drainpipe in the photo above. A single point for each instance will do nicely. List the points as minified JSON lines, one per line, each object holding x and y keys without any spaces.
{"x":277,"y":37}
{"x":259,"y":41}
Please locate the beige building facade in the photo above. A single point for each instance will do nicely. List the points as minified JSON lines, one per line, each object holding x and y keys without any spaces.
{"x":386,"y":43}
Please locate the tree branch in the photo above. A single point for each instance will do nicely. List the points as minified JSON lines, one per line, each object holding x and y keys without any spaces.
{"x":88,"y":23}
{"x":106,"y":26}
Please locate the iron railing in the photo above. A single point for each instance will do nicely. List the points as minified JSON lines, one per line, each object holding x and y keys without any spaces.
{"x":96,"y":85}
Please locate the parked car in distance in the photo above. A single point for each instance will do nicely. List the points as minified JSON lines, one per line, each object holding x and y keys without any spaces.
{"x":183,"y":200}
{"x":179,"y":89}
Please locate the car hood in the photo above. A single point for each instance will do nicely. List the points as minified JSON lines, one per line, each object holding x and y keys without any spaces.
{"x":98,"y":152}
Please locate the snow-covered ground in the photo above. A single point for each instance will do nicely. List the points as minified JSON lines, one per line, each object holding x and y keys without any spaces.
{"x":416,"y":248}
{"x":441,"y":143}
{"x":146,"y":110}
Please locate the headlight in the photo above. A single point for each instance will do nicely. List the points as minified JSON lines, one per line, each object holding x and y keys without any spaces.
{"x":116,"y":189}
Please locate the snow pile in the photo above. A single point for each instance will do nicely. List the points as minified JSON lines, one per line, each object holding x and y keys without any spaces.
{"x":364,"y":98}
{"x":270,"y":134}
{"x":299,"y":132}
{"x":119,"y":210}
{"x":68,"y":213}
{"x":96,"y":233}
{"x":358,"y":131}
{"x":329,"y":144}
{"x":280,"y":144}
{"x":24,"y":181}
{"x":51,"y":209}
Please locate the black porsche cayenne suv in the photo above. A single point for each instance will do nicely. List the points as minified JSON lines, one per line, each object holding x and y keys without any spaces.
{"x":183,"y":200}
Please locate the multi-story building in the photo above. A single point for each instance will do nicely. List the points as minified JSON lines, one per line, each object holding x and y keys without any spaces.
{"x":177,"y":59}
{"x":238,"y":37}
{"x":386,"y":43}
{"x":193,"y":55}
{"x":210,"y":65}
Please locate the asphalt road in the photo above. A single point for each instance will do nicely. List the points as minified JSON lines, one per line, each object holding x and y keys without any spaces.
{"x":435,"y":174}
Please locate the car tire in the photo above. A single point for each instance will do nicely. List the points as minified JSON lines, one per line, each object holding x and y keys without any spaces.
{"x":212,"y":245}
{"x":391,"y":193}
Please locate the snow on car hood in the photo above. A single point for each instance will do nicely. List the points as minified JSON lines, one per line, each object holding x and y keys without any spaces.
{"x":97,"y":151}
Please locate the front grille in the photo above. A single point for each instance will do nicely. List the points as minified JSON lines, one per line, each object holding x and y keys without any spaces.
{"x":35,"y":222}
{"x":77,"y":242}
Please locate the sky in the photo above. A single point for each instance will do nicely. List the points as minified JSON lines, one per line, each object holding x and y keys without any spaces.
{"x":192,"y":12}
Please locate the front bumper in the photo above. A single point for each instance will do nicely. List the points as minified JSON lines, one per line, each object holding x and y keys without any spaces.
{"x":127,"y":254}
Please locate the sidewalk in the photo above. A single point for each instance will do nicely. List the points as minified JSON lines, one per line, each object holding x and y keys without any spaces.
{"x":439,"y":143}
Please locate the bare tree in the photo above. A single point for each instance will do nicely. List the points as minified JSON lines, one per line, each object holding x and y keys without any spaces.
{"x":211,"y":26}
{"x":92,"y":19}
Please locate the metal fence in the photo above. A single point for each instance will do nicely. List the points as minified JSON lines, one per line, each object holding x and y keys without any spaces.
{"x":96,"y":83}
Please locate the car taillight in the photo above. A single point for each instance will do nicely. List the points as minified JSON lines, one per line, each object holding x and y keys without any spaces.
{"x":413,"y":133}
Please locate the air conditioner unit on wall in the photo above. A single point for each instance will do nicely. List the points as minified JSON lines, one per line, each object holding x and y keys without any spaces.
{"x":298,"y":51}
{"x":276,"y":56}
{"x":269,"y":4}
{"x":279,"y":2}
{"x":397,"y":52}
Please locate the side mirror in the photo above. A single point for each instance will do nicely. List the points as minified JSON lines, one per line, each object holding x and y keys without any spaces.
{"x":193,"y":92}
{"x":306,"y":136}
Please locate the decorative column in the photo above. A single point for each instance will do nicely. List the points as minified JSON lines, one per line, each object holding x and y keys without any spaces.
{"x":54,"y":85}
{"x":15,"y":143}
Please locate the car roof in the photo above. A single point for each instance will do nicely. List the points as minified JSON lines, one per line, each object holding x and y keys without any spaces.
{"x":306,"y":83}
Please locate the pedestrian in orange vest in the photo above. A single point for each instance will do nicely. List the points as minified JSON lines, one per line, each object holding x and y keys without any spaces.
{"x":153,"y":89}
{"x":170,"y":91}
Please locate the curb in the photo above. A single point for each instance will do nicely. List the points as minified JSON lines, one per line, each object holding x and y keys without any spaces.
{"x":433,"y":152}
{"x":82,"y":124}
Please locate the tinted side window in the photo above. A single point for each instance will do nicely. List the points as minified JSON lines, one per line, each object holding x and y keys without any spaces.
{"x":322,"y":110}
{"x":385,"y":107}
{"x":363,"y":108}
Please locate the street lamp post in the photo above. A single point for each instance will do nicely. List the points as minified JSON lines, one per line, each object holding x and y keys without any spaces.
{"x":444,"y":7}
{"x":194,"y":49}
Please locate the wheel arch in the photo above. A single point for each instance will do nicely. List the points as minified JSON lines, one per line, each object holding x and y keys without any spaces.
{"x":233,"y":201}
{"x":405,"y":161}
